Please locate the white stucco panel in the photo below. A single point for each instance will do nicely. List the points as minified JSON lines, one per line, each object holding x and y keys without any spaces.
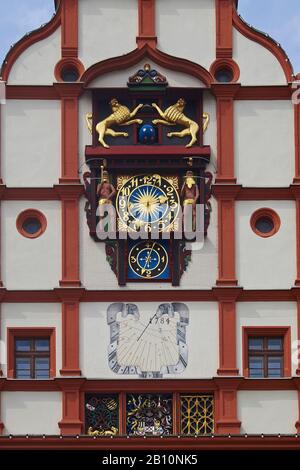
{"x":187,"y":29}
{"x":264,"y":142}
{"x":35,"y":66}
{"x":201,"y":339}
{"x":266,"y":314}
{"x":31,"y":412}
{"x":30,"y":315}
{"x":264,"y":70}
{"x":106,"y":29}
{"x":266,"y":263}
{"x":268,"y":412}
{"x":31,"y":133}
{"x":31,"y":263}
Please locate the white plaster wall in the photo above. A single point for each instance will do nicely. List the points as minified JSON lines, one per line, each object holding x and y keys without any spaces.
{"x":120,"y":78}
{"x":95,"y":272}
{"x":277,"y":411}
{"x":35,"y":66}
{"x":264,"y":70}
{"x":31,"y":412}
{"x":266,"y":263}
{"x":187,"y":29}
{"x":202,"y":339}
{"x":106,"y":29}
{"x":30,"y":142}
{"x":31,"y":263}
{"x":265,"y":314}
{"x":264,"y":142}
{"x":35,"y":315}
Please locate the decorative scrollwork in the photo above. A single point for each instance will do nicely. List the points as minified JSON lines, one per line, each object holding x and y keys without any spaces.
{"x":149,"y":414}
{"x":197,"y":414}
{"x":102,"y":415}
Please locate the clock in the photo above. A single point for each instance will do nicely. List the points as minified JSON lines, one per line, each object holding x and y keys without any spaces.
{"x":147,"y":202}
{"x":148,"y":259}
{"x":148,"y":344}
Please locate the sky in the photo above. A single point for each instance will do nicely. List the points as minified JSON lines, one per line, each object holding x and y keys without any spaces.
{"x":279,"y":18}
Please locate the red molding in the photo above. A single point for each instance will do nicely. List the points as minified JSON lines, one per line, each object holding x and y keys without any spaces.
{"x":28,"y":214}
{"x":227,"y":64}
{"x":146,"y":15}
{"x":264,"y":41}
{"x":70,"y":338}
{"x":68,"y":62}
{"x":145,"y":150}
{"x":127,"y":60}
{"x":31,"y":92}
{"x":284,"y":331}
{"x":70,"y":243}
{"x":269,"y":213}
{"x":58,"y":295}
{"x":226,"y":241}
{"x":217,"y":443}
{"x":226,"y":420}
{"x":29,"y":40}
{"x":227,"y":338}
{"x":71,"y":422}
{"x":283,"y":92}
{"x":224,"y":10}
{"x":13,"y":333}
{"x":69,"y":28}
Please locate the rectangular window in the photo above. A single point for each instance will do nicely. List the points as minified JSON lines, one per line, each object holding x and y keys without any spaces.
{"x":32,"y":358}
{"x":265,"y":357}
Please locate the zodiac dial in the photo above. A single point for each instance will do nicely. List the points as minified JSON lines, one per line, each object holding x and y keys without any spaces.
{"x":148,"y":260}
{"x":148,"y":202}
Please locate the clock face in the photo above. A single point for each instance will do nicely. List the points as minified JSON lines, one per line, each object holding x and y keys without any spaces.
{"x":148,"y":260}
{"x":148,"y":202}
{"x":146,"y":343}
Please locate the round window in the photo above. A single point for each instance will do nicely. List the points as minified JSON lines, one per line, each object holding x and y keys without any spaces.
{"x":265,"y":222}
{"x":31,"y":223}
{"x":224,"y":75}
{"x":69,"y":74}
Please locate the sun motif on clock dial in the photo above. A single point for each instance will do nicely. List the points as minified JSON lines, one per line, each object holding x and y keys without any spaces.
{"x":147,"y":202}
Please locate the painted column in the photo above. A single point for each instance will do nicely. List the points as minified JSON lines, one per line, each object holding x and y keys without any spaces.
{"x":69,"y":28}
{"x":226,"y":421}
{"x":224,"y":28}
{"x":71,"y":422}
{"x":146,"y":33}
{"x":227,"y":329}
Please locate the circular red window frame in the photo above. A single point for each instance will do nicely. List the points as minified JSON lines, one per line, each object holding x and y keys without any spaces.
{"x":225,"y":64}
{"x":31,"y":214}
{"x":269,"y":213}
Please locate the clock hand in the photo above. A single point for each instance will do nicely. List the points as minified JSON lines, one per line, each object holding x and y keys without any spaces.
{"x":147,"y":259}
{"x":149,"y":323}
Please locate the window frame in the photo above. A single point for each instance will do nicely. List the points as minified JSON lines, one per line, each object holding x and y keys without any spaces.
{"x":30,"y":333}
{"x":268,"y":331}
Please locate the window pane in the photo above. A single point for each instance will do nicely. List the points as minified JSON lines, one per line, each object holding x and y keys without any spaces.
{"x":256,"y":367}
{"x":256,"y":344}
{"x":275,"y":344}
{"x":41,"y":363}
{"x":22,"y":345}
{"x":42,"y":344}
{"x":42,"y":374}
{"x":23,"y":368}
{"x":275,"y":366}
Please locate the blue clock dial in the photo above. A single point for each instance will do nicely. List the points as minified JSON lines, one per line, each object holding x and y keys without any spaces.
{"x":148,"y":260}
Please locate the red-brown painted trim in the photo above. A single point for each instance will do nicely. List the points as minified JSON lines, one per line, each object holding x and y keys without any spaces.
{"x":68,"y":62}
{"x":225,"y":64}
{"x":226,"y":420}
{"x":29,"y":40}
{"x":69,"y":28}
{"x":297,"y":142}
{"x":296,"y":194}
{"x":146,"y":19}
{"x":269,"y":213}
{"x":69,"y":93}
{"x":159,"y":57}
{"x":204,"y":443}
{"x":13,"y":333}
{"x":70,"y":243}
{"x":31,"y":92}
{"x":264,"y":41}
{"x":70,"y":338}
{"x":227,"y":329}
{"x":71,"y":422}
{"x":28,"y":214}
{"x":224,"y":10}
{"x":284,"y":331}
{"x":297,"y":295}
{"x":56,"y":295}
{"x":280,"y":92}
{"x":225,"y":94}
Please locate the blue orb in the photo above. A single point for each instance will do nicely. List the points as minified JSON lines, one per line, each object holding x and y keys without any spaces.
{"x":147,"y":134}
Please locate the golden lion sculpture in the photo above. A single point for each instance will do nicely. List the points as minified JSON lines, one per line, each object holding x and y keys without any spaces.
{"x":120,"y":116}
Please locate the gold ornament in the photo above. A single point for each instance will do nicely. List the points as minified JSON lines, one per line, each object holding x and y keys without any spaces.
{"x":113,"y":431}
{"x":120,"y":116}
{"x":174,"y":115}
